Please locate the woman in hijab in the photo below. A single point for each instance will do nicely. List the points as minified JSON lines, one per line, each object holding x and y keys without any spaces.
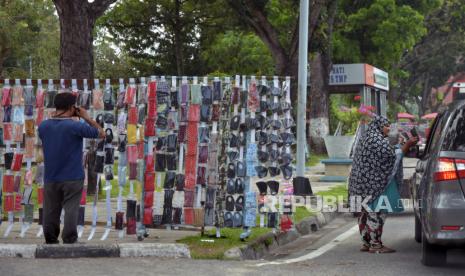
{"x":373,"y":165}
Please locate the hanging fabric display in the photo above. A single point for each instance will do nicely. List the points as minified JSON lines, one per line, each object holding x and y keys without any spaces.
{"x":99,"y":161}
{"x":203,"y":154}
{"x":131,"y":150}
{"x":122,"y":157}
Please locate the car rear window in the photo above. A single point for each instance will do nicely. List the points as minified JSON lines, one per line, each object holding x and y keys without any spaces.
{"x":455,"y":135}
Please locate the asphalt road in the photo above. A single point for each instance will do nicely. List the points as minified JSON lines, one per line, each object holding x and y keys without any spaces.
{"x":343,"y":259}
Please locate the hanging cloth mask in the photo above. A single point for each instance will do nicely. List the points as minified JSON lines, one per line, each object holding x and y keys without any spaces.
{"x":207,"y":95}
{"x":196,"y":94}
{"x":108,"y":99}
{"x":217,"y":91}
{"x":29,"y":98}
{"x":97,"y":99}
{"x":17,"y":96}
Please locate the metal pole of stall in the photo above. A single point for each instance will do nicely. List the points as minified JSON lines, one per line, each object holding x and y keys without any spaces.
{"x":302,"y":87}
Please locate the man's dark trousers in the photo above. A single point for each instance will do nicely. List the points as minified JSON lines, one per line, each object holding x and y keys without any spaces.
{"x":61,"y":195}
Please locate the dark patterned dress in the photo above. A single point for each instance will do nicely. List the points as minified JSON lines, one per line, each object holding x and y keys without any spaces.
{"x":373,"y":163}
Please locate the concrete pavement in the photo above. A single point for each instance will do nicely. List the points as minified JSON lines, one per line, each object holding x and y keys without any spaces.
{"x":344,"y":259}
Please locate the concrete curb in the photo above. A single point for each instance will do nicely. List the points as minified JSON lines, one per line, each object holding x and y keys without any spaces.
{"x":123,"y":250}
{"x":163,"y":250}
{"x":270,"y":241}
{"x":27,"y":251}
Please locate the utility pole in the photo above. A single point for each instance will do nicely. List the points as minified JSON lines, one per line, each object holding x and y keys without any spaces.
{"x":301,"y":183}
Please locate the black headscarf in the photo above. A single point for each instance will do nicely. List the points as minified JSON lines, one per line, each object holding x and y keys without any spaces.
{"x":373,"y":162}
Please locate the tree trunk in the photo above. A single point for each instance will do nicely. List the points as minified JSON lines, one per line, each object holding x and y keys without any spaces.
{"x":178,"y":39}
{"x":77,"y":20}
{"x":76,"y":53}
{"x":318,"y":112}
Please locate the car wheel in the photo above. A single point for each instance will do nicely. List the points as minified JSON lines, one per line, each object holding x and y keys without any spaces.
{"x":432,"y":255}
{"x":417,"y":229}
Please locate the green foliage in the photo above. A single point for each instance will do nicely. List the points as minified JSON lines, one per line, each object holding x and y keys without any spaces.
{"x":377,"y":33}
{"x":237,"y":52}
{"x":393,"y":109}
{"x":201,"y":247}
{"x":315,"y":159}
{"x":110,"y":64}
{"x":29,"y":29}
{"x":345,"y":110}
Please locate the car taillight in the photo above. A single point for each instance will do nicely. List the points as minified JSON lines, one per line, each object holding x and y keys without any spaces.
{"x":451,"y":228}
{"x":445,"y":170}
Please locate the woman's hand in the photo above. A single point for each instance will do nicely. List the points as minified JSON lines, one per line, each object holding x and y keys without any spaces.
{"x":410,"y":143}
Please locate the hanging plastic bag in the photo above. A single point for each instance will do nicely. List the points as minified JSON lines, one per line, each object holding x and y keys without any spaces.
{"x":6,"y":96}
{"x":97,"y":99}
{"x":132,"y":134}
{"x":17,"y":96}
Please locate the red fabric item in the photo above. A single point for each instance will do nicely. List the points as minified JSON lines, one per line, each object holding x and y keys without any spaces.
{"x":131,"y":226}
{"x":190,"y":172}
{"x":83,"y":197}
{"x":149,"y":163}
{"x":132,"y":153}
{"x":8,"y":205}
{"x":149,"y":130}
{"x":18,"y":133}
{"x":148,"y":199}
{"x":6,"y":96}
{"x":17,"y":162}
{"x":152,"y":109}
{"x":132,"y":115}
{"x":130,"y":98}
{"x":7,"y":132}
{"x":152,"y":90}
{"x":140,"y":150}
{"x":39,"y":115}
{"x":192,"y":139}
{"x":8,"y":183}
{"x":119,"y":221}
{"x":188,"y":216}
{"x":18,"y":206}
{"x":40,"y":98}
{"x":148,"y":216}
{"x":132,"y":171}
{"x":194,"y":113}
{"x":149,"y":182}
{"x":17,"y":183}
{"x":286,"y":223}
{"x":40,"y":195}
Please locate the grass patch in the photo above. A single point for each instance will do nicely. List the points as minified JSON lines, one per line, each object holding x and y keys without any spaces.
{"x":202,"y":247}
{"x":301,"y":213}
{"x":315,"y":159}
{"x":338,"y":191}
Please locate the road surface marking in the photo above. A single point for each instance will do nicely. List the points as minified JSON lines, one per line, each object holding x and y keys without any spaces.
{"x":320,"y":251}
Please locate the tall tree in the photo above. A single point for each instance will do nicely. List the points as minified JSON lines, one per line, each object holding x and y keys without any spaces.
{"x":77,"y":21}
{"x":381,"y":32}
{"x":169,"y":34}
{"x":277,"y":24}
{"x":437,"y":56}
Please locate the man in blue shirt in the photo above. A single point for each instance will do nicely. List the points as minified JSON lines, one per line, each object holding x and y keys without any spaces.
{"x":62,"y":141}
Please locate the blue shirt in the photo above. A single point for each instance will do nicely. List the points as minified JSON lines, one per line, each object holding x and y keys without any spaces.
{"x":62,"y":145}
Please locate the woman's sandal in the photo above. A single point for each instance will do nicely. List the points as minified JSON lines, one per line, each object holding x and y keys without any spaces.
{"x":365,"y":248}
{"x":381,"y":249}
